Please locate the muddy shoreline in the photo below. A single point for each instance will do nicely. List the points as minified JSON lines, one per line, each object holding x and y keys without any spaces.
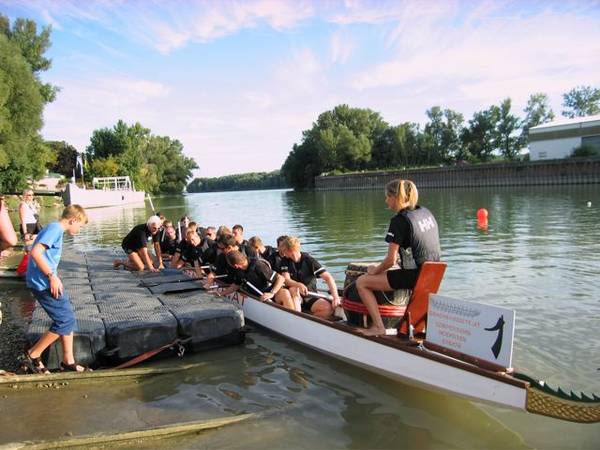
{"x":13,"y":326}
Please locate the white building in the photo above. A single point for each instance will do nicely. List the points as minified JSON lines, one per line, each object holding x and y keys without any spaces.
{"x":558,"y":139}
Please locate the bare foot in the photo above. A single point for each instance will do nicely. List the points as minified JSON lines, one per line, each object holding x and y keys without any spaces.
{"x":372,"y":331}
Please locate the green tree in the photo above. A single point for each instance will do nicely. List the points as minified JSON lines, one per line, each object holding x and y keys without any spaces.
{"x":66,"y":157}
{"x":23,"y":154}
{"x":581,"y":101}
{"x":508,"y":139}
{"x":537,"y":112}
{"x":340,"y":139}
{"x":154,"y":163}
{"x":480,"y":136}
{"x":33,"y":46}
{"x":239,"y":182}
{"x":442,"y":135}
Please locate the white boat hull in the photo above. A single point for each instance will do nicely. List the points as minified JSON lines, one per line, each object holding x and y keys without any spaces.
{"x":383,"y":359}
{"x":96,"y":198}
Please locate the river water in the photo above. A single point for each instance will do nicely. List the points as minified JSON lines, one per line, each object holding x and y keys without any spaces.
{"x":539,"y":256}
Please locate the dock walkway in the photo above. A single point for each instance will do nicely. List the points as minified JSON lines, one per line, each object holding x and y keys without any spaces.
{"x":121,"y":315}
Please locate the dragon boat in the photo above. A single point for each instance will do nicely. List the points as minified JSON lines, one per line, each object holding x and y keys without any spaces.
{"x":407,"y":356}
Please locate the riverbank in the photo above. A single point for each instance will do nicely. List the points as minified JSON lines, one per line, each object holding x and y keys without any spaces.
{"x":521,"y":173}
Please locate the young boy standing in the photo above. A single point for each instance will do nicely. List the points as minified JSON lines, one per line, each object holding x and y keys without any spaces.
{"x":48,"y":290}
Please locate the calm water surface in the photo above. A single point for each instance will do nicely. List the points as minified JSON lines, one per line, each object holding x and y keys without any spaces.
{"x":540,"y":256}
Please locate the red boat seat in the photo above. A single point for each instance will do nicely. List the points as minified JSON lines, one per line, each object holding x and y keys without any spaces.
{"x":428,"y":282}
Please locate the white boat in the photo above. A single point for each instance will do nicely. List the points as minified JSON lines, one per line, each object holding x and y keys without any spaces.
{"x":405,"y":360}
{"x":107,"y":191}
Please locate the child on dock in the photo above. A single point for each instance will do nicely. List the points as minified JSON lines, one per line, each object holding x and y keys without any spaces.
{"x":48,"y":290}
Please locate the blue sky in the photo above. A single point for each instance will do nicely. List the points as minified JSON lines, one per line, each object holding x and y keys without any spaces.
{"x":238,"y":81}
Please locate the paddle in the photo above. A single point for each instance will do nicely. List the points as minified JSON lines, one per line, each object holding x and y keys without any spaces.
{"x":181,"y":280}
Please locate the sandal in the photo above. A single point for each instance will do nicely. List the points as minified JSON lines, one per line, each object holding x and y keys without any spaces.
{"x":73,"y":367}
{"x":32,"y":365}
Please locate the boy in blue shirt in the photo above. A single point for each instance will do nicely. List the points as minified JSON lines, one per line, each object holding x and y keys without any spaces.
{"x":48,"y":290}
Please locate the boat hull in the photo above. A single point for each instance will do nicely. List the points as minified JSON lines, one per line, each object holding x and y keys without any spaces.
{"x":414,"y":366}
{"x":96,"y":198}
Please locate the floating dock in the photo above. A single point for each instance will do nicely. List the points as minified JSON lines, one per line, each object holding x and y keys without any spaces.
{"x":121,"y":315}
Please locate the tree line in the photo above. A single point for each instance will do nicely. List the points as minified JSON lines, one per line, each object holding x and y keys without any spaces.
{"x":155,"y":163}
{"x":239,"y":182}
{"x":23,"y":153}
{"x":347,"y":139}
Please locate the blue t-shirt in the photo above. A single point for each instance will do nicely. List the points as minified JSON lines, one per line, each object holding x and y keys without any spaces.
{"x":51,"y":237}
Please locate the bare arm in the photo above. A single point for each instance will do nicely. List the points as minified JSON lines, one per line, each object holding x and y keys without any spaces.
{"x":388,"y":261}
{"x":292,"y":283}
{"x":146,"y":258}
{"x":175,"y":260}
{"x":37,"y":253}
{"x":279,"y":280}
{"x":326,"y":276}
{"x":158,"y":253}
{"x":22,"y":218}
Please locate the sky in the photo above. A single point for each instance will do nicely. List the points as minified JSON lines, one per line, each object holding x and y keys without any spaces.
{"x":238,"y":81}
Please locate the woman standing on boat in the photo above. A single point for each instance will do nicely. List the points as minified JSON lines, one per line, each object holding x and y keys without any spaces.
{"x":413,"y":228}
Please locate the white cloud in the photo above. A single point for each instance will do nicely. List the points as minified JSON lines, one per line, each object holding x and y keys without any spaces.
{"x":497,"y":53}
{"x":342,"y":45}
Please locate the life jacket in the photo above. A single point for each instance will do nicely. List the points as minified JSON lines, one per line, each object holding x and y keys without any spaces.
{"x":425,"y":238}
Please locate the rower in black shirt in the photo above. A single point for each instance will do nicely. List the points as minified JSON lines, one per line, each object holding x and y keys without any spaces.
{"x":258,"y":279}
{"x":301,"y":272}
{"x":225,"y":243}
{"x":238,"y":234}
{"x":263,"y":251}
{"x":135,"y":244}
{"x":168,"y":242}
{"x":177,"y":262}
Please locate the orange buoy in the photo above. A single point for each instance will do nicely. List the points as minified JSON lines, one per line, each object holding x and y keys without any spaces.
{"x":482,"y":218}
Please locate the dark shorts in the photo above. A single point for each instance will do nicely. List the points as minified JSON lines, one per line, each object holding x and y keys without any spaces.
{"x":32,"y":228}
{"x":402,"y":278}
{"x":59,"y":310}
{"x":308,"y":302}
{"x":129,"y":251}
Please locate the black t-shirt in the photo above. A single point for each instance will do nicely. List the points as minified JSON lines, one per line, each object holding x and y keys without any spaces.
{"x":247,"y":250}
{"x":168,"y":246}
{"x":222,"y":267}
{"x":181,"y":246}
{"x":268,"y":254}
{"x":305,"y":271}
{"x":138,"y":238}
{"x":399,"y":231}
{"x":191,"y":254}
{"x":416,"y":229}
{"x":258,"y":278}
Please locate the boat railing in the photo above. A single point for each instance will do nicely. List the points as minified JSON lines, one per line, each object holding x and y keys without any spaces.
{"x":112,"y":183}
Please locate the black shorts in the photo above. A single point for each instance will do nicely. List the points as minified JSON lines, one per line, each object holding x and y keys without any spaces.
{"x":128,"y":250}
{"x":402,"y":278}
{"x":32,"y":228}
{"x":308,"y":302}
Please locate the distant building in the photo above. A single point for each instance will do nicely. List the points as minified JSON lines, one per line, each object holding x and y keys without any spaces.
{"x":558,"y":139}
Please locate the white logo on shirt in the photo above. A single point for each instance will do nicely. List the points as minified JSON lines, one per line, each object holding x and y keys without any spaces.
{"x":426,"y":224}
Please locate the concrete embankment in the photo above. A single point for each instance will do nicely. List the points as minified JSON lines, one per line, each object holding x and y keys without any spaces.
{"x":534,"y":173}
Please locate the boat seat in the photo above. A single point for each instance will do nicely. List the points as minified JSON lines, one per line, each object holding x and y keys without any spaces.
{"x":428,"y":282}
